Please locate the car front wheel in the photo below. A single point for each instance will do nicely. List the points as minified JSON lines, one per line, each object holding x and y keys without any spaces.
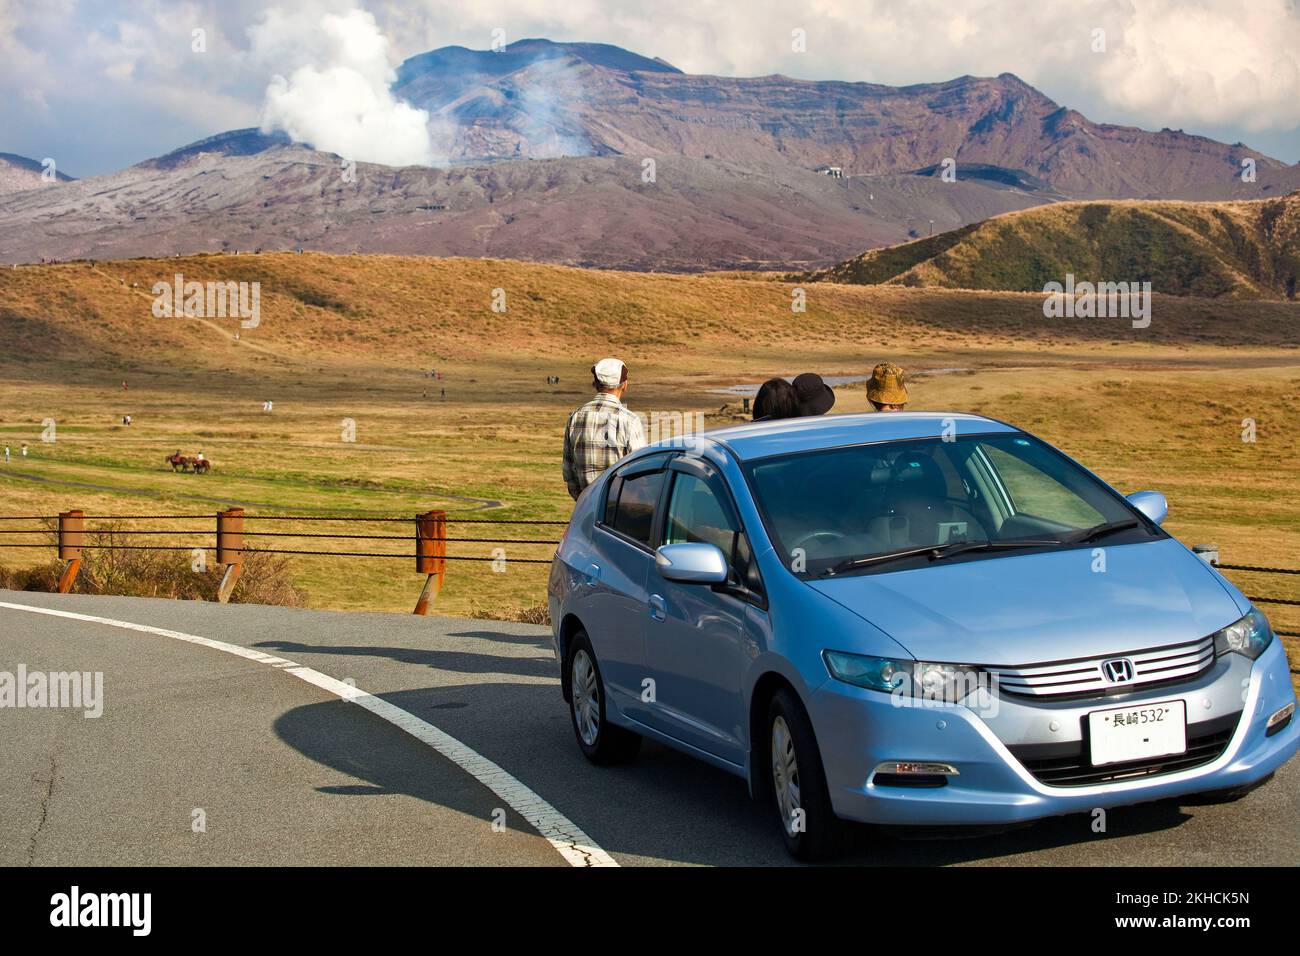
{"x":600,"y":741}
{"x":799,"y":789}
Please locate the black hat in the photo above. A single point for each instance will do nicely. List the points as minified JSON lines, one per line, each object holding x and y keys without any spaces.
{"x":815,"y":396}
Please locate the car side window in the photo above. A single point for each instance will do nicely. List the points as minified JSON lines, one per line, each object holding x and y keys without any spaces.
{"x":632,"y":513}
{"x":695,"y":514}
{"x":1035,"y":492}
{"x":611,"y":500}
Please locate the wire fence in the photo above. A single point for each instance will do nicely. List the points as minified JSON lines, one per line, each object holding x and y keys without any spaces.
{"x":54,"y":530}
{"x":49,"y":531}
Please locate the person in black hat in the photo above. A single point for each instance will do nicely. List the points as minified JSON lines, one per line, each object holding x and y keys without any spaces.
{"x":815,"y":396}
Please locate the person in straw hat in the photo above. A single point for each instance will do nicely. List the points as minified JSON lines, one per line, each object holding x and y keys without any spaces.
{"x":886,"y":391}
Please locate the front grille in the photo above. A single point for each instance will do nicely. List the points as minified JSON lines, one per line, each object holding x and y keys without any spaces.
{"x":1084,"y":677}
{"x":1067,"y":765}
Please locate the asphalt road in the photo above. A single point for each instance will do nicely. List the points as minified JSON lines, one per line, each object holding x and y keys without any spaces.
{"x":284,"y":772}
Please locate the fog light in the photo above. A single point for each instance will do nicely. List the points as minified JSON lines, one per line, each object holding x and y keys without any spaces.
{"x":916,"y":767}
{"x":912,"y":773}
{"x":1280,"y":719}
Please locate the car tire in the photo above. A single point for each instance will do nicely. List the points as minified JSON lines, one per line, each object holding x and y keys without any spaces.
{"x":798,"y":781}
{"x":600,"y":741}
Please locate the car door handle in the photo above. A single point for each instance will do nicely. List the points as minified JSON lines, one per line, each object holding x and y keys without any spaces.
{"x":593,"y":575}
{"x":658,"y":607}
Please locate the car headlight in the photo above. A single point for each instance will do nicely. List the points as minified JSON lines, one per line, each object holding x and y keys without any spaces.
{"x":1249,"y":636}
{"x":924,"y":679}
{"x":950,"y":682}
{"x":876,"y":673}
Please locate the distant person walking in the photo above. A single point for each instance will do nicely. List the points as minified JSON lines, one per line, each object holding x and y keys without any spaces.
{"x":776,"y":399}
{"x":886,"y":391}
{"x":6,"y":454}
{"x":602,"y":431}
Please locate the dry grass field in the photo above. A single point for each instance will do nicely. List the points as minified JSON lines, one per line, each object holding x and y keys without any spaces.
{"x":352,"y":337}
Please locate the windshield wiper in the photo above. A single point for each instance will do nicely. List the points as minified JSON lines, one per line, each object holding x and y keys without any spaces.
{"x":865,"y":560}
{"x":962,"y":547}
{"x":1100,"y":531}
{"x":941,"y":551}
{"x":937,"y":552}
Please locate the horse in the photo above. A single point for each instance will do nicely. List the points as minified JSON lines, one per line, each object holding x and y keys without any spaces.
{"x":201,"y":465}
{"x":178,"y":462}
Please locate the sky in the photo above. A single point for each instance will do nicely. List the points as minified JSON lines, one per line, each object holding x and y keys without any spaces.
{"x":98,"y":85}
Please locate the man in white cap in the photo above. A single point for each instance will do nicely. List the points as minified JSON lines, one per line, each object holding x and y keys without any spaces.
{"x":602,"y":431}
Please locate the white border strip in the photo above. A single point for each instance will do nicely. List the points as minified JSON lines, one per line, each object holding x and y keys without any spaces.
{"x":562,"y":833}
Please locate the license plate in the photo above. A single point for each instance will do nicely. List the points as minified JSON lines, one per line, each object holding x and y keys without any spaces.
{"x":1138,"y":733}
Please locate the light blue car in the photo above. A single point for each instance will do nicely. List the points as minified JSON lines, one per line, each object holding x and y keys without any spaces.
{"x":908,"y":618}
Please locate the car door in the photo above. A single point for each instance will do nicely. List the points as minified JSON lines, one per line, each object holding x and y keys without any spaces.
{"x":696,"y":641}
{"x":617,"y":608}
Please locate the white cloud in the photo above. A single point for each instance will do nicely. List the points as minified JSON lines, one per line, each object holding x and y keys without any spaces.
{"x":336,"y":95}
{"x":119,"y":80}
{"x":1214,"y":63}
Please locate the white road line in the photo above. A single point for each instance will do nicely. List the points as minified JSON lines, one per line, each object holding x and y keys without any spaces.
{"x":563,"y":834}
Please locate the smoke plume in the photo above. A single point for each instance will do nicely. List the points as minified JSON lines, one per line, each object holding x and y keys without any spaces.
{"x":332,"y":85}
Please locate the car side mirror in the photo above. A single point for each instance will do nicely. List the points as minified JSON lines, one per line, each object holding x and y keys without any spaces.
{"x":1150,"y":503}
{"x":695,"y":563}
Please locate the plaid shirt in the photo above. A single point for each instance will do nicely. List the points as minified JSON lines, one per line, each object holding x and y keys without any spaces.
{"x":598,"y":434}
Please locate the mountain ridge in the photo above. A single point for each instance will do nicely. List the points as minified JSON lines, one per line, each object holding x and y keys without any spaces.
{"x":735,"y":180}
{"x":864,"y":128}
{"x":18,"y":173}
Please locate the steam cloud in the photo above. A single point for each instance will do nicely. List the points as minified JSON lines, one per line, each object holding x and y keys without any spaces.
{"x":543,"y":119}
{"x":332,"y":86}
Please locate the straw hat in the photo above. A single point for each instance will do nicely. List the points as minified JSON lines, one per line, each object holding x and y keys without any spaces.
{"x":886,"y":386}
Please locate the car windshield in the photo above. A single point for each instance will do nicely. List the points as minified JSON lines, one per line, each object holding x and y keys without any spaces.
{"x":897,"y":504}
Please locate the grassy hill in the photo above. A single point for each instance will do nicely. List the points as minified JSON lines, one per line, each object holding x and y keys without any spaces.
{"x":1239,"y":250}
{"x":93,"y":321}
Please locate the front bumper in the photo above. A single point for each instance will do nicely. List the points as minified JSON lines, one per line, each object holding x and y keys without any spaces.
{"x":857,"y":729}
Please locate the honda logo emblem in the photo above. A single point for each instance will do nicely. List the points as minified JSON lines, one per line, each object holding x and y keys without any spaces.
{"x":1117,"y":670}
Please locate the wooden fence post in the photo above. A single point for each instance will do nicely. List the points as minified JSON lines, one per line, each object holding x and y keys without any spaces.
{"x":430,"y":555}
{"x":230,"y":549}
{"x":72,"y":531}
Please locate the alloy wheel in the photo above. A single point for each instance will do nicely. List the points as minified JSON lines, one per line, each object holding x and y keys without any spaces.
{"x":586,"y":698}
{"x":785,"y":774}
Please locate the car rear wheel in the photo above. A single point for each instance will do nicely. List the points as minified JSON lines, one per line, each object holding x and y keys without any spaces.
{"x":799,"y":789}
{"x":601,"y":742}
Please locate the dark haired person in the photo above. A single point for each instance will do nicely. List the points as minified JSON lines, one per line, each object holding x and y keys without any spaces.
{"x":815,"y":396}
{"x":776,"y":399}
{"x":602,"y":431}
{"x":886,"y":391}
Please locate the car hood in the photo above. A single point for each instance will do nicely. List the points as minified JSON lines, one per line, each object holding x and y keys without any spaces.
{"x":1011,"y":610}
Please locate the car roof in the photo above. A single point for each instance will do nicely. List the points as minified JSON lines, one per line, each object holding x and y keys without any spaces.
{"x":753,"y":440}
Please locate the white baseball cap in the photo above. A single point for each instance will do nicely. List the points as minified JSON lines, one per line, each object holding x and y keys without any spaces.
{"x":609,"y":372}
